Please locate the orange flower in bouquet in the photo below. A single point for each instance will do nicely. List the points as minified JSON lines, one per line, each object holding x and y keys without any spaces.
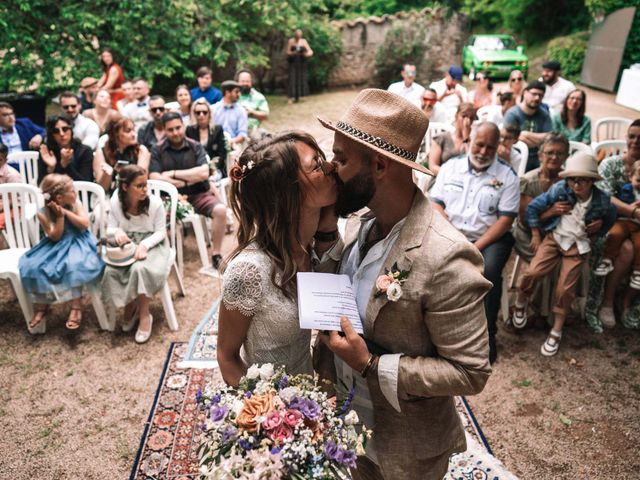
{"x":254,"y":406}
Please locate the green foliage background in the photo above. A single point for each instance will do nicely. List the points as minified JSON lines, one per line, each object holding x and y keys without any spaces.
{"x":569,"y":51}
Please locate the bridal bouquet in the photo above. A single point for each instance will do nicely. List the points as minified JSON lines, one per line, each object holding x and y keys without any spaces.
{"x":277,"y":427}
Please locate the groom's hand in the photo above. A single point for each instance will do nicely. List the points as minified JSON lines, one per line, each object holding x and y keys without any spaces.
{"x":351,"y":347}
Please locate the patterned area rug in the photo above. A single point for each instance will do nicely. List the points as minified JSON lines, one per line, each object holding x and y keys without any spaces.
{"x":168,"y":445}
{"x":201,"y":351}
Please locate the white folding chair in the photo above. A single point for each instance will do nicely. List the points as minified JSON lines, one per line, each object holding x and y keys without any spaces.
{"x":609,"y":148}
{"x":523,"y":148}
{"x":27,"y":165}
{"x":102,"y":141}
{"x":611,"y":128}
{"x":21,"y":233}
{"x":579,"y":147}
{"x":92,"y":197}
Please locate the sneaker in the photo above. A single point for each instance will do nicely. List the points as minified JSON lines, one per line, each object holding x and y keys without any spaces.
{"x":604,"y":269}
{"x":607,"y":317}
{"x":635,"y":280}
{"x":519,"y":317}
{"x":551,"y":345}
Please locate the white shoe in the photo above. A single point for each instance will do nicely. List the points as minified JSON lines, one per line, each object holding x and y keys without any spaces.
{"x":142,"y":337}
{"x":604,"y":269}
{"x":551,"y":345}
{"x":127,"y":326}
{"x":607,"y":317}
{"x":519,"y":317}
{"x":635,"y":280}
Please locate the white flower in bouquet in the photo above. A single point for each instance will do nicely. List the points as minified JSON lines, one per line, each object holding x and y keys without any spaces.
{"x":287,"y":394}
{"x":266,"y":371}
{"x":351,"y":418}
{"x":394,"y":292}
{"x":253,"y":372}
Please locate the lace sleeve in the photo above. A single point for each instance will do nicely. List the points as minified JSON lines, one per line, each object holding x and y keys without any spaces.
{"x":242,"y":287}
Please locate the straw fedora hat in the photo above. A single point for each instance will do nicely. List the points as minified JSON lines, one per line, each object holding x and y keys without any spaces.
{"x":386,"y":123}
{"x":120,"y":256}
{"x":581,"y":164}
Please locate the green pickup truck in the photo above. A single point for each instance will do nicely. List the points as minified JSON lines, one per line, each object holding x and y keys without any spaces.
{"x":495,"y":54}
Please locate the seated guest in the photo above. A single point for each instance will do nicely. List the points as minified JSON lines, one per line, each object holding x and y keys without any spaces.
{"x":129,"y":96}
{"x":571,"y":120}
{"x":445,"y":145}
{"x":558,"y":88}
{"x":408,"y":88}
{"x":138,"y":111}
{"x":182,"y":105}
{"x":533,"y":120}
{"x":88,"y":91}
{"x":253,"y":102}
{"x":57,"y":269}
{"x":7,"y":175}
{"x":102,"y":113}
{"x":481,"y":95}
{"x":84,"y":129}
{"x":230,"y":115}
{"x":64,"y":154}
{"x":204,"y":131}
{"x":121,"y":150}
{"x":152,"y":132}
{"x":204,"y":89}
{"x":183,"y":163}
{"x":516,"y":85}
{"x":478,"y":193}
{"x":586,"y":211}
{"x":506,"y":151}
{"x":433,"y":109}
{"x":553,"y":153}
{"x":450,"y":91}
{"x":135,"y":216}
{"x":18,"y":134}
{"x":614,"y":171}
{"x":495,"y":114}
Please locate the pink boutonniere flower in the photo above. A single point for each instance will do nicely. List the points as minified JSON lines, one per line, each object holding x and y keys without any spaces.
{"x":391,"y":283}
{"x":496,"y":184}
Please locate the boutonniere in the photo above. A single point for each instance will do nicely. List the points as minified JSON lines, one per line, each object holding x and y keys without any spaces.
{"x":496,"y":184}
{"x":391,"y":283}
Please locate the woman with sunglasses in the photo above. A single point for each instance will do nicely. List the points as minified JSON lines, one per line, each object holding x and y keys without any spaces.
{"x":482,"y":95}
{"x":204,"y":131}
{"x":102,"y":113}
{"x":259,"y":312}
{"x":516,"y":84}
{"x":61,"y":153}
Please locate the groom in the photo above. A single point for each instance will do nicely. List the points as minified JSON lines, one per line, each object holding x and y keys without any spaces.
{"x":428,"y":326}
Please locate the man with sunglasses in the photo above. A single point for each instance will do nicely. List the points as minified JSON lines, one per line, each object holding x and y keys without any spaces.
{"x":408,"y":88}
{"x":84,"y":129}
{"x":433,"y":109}
{"x":152,"y":132}
{"x":18,"y":134}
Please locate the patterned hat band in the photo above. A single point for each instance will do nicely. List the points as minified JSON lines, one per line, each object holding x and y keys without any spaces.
{"x":376,"y":141}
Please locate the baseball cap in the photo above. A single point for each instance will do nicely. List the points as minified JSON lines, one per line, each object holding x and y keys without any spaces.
{"x":455,"y":72}
{"x":552,"y":65}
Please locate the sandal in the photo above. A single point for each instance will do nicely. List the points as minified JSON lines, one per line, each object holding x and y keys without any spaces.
{"x":38,"y":317}
{"x":74,"y":320}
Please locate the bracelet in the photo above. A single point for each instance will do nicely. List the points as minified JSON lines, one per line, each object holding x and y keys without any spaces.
{"x":368,"y":366}
{"x":326,"y":236}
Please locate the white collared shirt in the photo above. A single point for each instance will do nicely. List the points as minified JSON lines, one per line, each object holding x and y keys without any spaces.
{"x":450,"y":102}
{"x":363,"y":273}
{"x":138,"y":112}
{"x":555,"y":95}
{"x":572,"y":228}
{"x":472,"y":200}
{"x":413,"y":93}
{"x":86,"y":130}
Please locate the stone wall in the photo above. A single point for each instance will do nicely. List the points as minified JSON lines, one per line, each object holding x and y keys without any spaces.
{"x":361,"y":38}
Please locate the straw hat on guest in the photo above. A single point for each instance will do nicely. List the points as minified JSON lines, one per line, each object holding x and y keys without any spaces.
{"x":581,"y":164}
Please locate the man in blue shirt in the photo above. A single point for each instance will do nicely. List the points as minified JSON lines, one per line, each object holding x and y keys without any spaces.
{"x":230,"y":115}
{"x":204,"y":88}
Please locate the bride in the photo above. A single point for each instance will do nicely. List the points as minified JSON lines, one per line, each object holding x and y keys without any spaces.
{"x":283,"y":193}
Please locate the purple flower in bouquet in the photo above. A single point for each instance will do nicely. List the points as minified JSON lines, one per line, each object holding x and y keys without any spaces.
{"x":331,"y":450}
{"x":275,"y":450}
{"x":247,"y":395}
{"x":244,"y":444}
{"x":347,"y":457}
{"x":215,"y":399}
{"x":229,"y":434}
{"x":347,"y":402}
{"x":283,"y":382}
{"x":306,"y":407}
{"x":218,"y":413}
{"x":199,"y":395}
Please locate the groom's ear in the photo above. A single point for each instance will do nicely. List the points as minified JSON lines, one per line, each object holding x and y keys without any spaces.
{"x":380,"y":164}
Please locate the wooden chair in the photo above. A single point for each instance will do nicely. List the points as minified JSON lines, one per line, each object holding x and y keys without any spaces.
{"x":611,"y":128}
{"x":27,"y":165}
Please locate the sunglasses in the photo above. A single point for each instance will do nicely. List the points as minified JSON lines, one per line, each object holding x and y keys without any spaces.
{"x":69,"y":107}
{"x":516,"y":79}
{"x":579,"y":180}
{"x":479,"y":79}
{"x":61,"y":130}
{"x":157,"y":109}
{"x":429,"y":101}
{"x":201,"y":112}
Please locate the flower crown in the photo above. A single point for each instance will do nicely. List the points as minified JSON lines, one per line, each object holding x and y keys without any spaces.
{"x":238,"y":172}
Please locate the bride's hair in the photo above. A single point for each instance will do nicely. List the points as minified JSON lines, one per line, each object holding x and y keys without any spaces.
{"x":266,"y":196}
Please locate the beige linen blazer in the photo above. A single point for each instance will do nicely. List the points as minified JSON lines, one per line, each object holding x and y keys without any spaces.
{"x":439,"y":326}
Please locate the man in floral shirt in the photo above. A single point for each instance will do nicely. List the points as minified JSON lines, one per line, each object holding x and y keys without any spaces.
{"x":480,"y":195}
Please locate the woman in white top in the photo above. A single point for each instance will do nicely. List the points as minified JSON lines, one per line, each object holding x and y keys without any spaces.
{"x":182,"y":105}
{"x":136,"y":217}
{"x":258,"y":319}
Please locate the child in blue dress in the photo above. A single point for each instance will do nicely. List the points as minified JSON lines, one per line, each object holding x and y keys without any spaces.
{"x":57,"y":268}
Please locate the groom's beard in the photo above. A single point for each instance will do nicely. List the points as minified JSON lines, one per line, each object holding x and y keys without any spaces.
{"x":354,"y":194}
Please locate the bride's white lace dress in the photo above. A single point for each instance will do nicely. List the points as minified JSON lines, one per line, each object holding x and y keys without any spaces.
{"x":274,"y":334}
